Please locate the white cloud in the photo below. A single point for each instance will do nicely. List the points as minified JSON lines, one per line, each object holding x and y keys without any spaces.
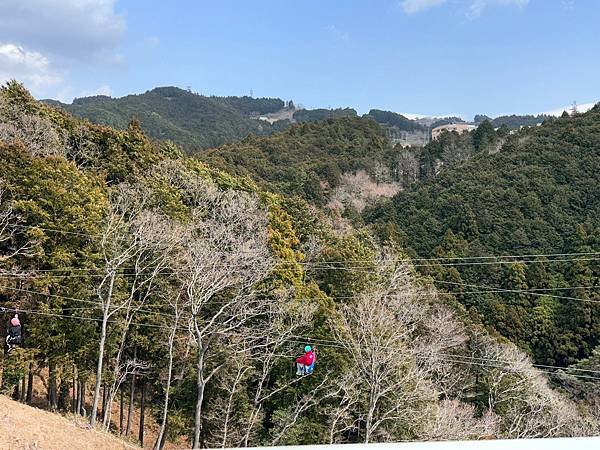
{"x":76,"y":30}
{"x":338,"y":34}
{"x":28,"y":66}
{"x":478,"y":6}
{"x":474,"y":7}
{"x":415,"y":6}
{"x":41,"y":41}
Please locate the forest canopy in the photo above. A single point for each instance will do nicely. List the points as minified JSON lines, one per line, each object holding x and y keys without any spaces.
{"x":538,"y":195}
{"x":137,"y":269}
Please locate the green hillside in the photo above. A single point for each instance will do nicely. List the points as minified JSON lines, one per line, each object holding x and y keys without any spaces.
{"x":514,"y":121}
{"x":539,"y":195}
{"x":135,"y":268}
{"x":307,"y":159}
{"x":315,"y":115}
{"x":169,"y":113}
{"x":394,"y":120}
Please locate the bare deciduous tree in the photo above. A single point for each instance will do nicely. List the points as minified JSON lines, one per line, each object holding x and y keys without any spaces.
{"x":288,"y":418}
{"x":375,"y":331}
{"x":227,"y":425}
{"x":226,"y":255}
{"x":453,"y":420}
{"x":157,"y":239}
{"x":131,"y":235}
{"x":9,"y":227}
{"x":272,"y":341}
{"x":439,"y":348}
{"x":35,"y":132}
{"x":177,"y":305}
{"x":81,"y":149}
{"x":519,"y":394}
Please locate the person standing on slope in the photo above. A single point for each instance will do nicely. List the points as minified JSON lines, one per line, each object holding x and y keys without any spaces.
{"x":305,"y":364}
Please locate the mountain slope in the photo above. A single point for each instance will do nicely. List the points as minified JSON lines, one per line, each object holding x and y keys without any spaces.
{"x":539,"y":195}
{"x":169,"y":113}
{"x":307,"y":159}
{"x":270,"y":274}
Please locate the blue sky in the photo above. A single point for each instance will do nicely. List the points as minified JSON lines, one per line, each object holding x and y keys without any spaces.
{"x":418,"y":56}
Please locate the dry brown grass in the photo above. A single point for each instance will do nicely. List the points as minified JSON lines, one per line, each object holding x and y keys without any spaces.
{"x":25,"y":427}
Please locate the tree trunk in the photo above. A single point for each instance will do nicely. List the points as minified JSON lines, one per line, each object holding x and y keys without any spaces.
{"x":114,"y":387}
{"x":82,"y":397}
{"x":103,"y":401}
{"x":29,"y":384}
{"x":163,"y":437}
{"x":130,"y":405}
{"x":63,"y":395}
{"x":121,"y":412}
{"x":94,"y":412}
{"x":52,"y":397}
{"x":106,"y":311}
{"x":23,"y":390}
{"x":163,"y":422}
{"x":142,"y":413}
{"x":369,"y":419}
{"x":74,"y":393}
{"x":78,"y":397}
{"x":131,"y":400}
{"x":200,"y":387}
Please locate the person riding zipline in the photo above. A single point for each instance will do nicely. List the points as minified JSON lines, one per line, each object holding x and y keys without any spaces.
{"x":305,"y":365}
{"x":13,"y":338}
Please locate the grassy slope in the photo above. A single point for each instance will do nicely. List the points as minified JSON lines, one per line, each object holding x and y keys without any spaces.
{"x":22,"y":426}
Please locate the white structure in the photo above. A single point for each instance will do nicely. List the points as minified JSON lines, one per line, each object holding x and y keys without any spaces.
{"x":458,"y":127}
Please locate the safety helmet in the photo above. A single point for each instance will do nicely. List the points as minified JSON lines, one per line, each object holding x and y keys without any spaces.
{"x":15,"y":322}
{"x":307,"y":348}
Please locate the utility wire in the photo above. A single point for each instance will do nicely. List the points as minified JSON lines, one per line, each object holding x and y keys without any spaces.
{"x":492,"y":289}
{"x":280,"y":265}
{"x":451,"y":358}
{"x":331,"y":265}
{"x":457,"y":258}
{"x":461,"y":359}
{"x":97,"y":304}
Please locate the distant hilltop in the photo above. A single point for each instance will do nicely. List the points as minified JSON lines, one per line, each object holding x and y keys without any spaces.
{"x":198,"y":122}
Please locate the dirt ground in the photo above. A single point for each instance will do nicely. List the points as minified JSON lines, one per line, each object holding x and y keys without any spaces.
{"x":24,"y":427}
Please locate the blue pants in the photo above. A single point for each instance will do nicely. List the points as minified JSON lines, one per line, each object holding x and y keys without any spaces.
{"x":304,"y":370}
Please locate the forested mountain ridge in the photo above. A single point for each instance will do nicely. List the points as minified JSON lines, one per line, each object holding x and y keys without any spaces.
{"x":308,"y":159}
{"x":197,"y":122}
{"x":135,"y":267}
{"x":346,"y":163}
{"x":514,"y":121}
{"x":168,"y":113}
{"x":540,"y":194}
{"x":394,"y":120}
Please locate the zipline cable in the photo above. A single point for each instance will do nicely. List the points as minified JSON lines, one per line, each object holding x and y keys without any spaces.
{"x":450,"y":358}
{"x":99,"y":304}
{"x":338,"y":344}
{"x":461,"y":359}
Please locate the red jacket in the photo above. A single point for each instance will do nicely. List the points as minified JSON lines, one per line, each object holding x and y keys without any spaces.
{"x":307,"y":359}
